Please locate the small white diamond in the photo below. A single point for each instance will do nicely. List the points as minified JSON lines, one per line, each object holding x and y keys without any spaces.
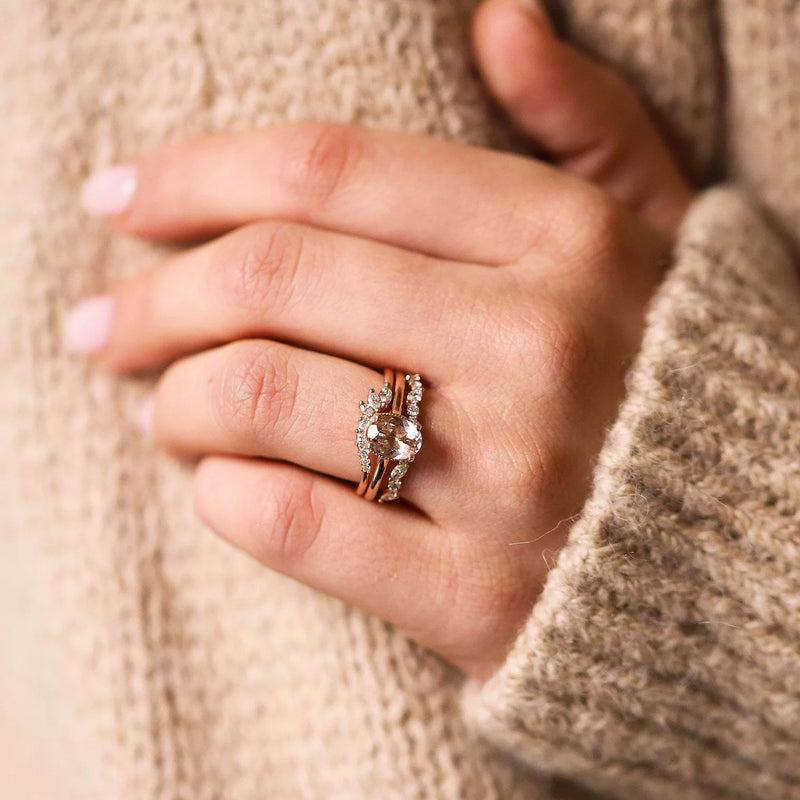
{"x":399,"y":470}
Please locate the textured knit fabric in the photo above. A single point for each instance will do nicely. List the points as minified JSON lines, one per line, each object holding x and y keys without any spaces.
{"x":142,"y":658}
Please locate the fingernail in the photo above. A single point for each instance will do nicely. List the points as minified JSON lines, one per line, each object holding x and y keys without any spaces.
{"x":110,"y":190}
{"x":87,"y":326}
{"x":145,"y":419}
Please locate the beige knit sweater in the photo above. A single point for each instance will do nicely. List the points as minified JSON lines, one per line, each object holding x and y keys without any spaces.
{"x":141,"y":658}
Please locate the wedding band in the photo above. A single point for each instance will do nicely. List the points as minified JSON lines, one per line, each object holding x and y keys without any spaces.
{"x":389,"y":436}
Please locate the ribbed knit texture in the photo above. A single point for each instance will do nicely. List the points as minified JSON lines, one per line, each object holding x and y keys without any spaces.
{"x":142,"y":658}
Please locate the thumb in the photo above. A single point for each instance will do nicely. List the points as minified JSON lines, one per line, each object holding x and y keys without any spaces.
{"x":581,"y":112}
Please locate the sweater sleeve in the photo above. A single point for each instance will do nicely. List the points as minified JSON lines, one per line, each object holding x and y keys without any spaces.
{"x":663,"y":658}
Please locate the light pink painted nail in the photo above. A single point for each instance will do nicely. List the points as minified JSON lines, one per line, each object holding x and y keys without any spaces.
{"x":88,"y":325}
{"x":110,"y":190}
{"x":145,"y":419}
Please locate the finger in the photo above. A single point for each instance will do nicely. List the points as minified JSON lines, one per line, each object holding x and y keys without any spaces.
{"x":388,"y":561}
{"x":363,"y":300}
{"x":408,"y":190}
{"x":262,"y":398}
{"x":582,"y":112}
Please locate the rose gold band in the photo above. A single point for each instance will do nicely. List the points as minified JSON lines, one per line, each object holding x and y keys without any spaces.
{"x":370,"y":483}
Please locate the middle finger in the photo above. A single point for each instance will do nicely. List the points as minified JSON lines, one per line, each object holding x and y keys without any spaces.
{"x":351,"y":297}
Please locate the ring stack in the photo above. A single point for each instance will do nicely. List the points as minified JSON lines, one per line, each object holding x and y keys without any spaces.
{"x":389,"y":436}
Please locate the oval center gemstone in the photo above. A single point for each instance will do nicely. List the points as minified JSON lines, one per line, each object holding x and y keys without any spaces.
{"x":394,"y":437}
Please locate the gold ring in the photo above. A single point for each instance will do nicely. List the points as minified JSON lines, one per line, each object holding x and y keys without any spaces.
{"x":389,"y":435}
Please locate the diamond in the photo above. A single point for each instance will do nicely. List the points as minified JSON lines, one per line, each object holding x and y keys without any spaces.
{"x":378,"y":399}
{"x":399,"y":470}
{"x":393,"y":437}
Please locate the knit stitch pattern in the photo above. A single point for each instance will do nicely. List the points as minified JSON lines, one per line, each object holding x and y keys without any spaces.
{"x":143,"y":659}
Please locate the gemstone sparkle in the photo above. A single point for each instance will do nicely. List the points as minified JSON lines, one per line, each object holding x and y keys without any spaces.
{"x":394,"y":437}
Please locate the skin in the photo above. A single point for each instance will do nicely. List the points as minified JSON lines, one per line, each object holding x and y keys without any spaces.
{"x":516,"y":288}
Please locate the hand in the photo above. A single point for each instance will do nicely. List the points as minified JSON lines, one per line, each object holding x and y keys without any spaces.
{"x":516,"y":290}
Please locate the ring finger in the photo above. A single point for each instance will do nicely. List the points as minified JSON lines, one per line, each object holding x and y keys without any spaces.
{"x":262,"y":398}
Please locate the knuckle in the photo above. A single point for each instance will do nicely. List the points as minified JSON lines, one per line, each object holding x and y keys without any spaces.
{"x":322,"y":159}
{"x":547,"y":337}
{"x":590,"y":226}
{"x":566,"y":350}
{"x":569,"y":347}
{"x":522,"y":460}
{"x":292,"y":520}
{"x":531,"y":485}
{"x":261,"y":271}
{"x":521,"y":464}
{"x":256,"y":393}
{"x":487,"y":594}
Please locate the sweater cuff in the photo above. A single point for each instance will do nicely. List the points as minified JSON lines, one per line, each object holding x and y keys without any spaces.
{"x":661,"y":660}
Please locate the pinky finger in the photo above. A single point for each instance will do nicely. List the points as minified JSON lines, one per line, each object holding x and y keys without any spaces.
{"x":383,"y":559}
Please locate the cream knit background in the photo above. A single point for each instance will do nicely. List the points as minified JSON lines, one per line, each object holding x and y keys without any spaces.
{"x":142,"y":658}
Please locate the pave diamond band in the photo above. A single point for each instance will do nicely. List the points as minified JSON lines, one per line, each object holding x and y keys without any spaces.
{"x":388,"y":436}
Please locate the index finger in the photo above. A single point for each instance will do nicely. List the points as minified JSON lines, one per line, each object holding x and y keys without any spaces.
{"x":445,"y":199}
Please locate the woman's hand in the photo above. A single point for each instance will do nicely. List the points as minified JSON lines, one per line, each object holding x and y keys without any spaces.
{"x":516,"y":290}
